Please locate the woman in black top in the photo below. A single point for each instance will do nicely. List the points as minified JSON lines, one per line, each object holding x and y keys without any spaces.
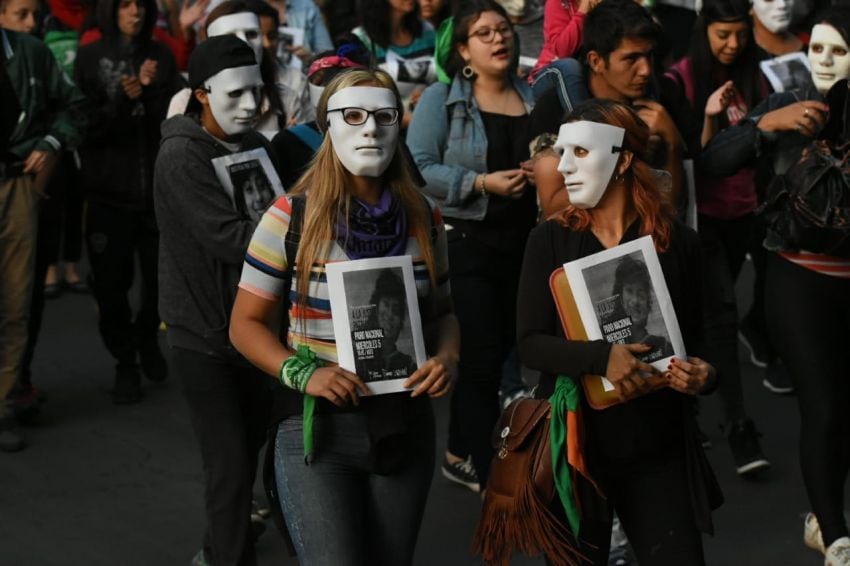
{"x":643,"y":453}
{"x":468,"y":139}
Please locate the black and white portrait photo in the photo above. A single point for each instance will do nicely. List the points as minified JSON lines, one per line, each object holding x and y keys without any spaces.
{"x":380,"y":329}
{"x":625,"y":304}
{"x":250,"y":180}
{"x":252,"y":190}
{"x":622,"y":298}
{"x":380,"y":335}
{"x":788,"y":72}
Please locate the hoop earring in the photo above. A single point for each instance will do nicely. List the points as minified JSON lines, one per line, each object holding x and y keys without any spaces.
{"x":468,"y":73}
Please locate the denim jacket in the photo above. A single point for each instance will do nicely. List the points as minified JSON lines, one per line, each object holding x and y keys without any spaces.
{"x":305,"y":14}
{"x":448,"y":142}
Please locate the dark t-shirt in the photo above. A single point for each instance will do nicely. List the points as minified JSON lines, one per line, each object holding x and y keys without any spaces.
{"x":508,"y":221}
{"x":294,"y":155}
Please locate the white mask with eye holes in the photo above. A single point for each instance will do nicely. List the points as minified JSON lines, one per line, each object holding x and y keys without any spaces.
{"x":245,"y":26}
{"x":366,"y":149}
{"x":234,"y":98}
{"x":775,"y":15}
{"x":589,"y":153}
{"x":829,"y":57}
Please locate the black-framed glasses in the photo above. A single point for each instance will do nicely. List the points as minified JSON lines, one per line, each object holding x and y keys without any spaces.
{"x":355,"y":116}
{"x":487,"y":35}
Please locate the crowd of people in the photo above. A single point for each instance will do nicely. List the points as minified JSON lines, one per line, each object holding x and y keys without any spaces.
{"x":232,"y":150}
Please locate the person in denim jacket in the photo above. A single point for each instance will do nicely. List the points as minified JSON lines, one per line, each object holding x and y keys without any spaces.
{"x":468,"y":136}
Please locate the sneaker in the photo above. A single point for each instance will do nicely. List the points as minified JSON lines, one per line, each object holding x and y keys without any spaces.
{"x":776,"y":378}
{"x":128,"y":388}
{"x":704,"y":440}
{"x":812,"y":536}
{"x":10,"y":440}
{"x":838,"y":553}
{"x":152,"y":362}
{"x":746,"y":450}
{"x":25,"y":402}
{"x":462,"y":472}
{"x":755,"y":343}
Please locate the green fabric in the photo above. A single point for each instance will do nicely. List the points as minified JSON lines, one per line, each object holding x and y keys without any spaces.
{"x":306,"y":355}
{"x":63,"y":45}
{"x":564,"y":399}
{"x":443,"y":49}
{"x":51,"y":105}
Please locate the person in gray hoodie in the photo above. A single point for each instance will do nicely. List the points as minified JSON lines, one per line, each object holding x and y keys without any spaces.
{"x":204,"y":232}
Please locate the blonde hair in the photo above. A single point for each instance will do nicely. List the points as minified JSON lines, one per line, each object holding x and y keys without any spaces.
{"x":326,"y":181}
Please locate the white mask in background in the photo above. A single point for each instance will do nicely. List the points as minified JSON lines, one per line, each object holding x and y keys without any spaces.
{"x":588,"y":159}
{"x":775,"y":15}
{"x":245,"y":26}
{"x":234,"y":96}
{"x":829,"y":57}
{"x":366,"y":149}
{"x":315,"y":94}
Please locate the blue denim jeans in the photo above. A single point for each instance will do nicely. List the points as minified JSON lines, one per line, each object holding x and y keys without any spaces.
{"x":567,"y":78}
{"x":338,"y":511}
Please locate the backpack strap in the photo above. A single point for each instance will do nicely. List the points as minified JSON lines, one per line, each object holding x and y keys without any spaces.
{"x":307,"y":135}
{"x":290,"y":244}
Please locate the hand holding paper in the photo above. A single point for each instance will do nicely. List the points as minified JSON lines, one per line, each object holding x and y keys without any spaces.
{"x":337,"y":385}
{"x":435,"y":377}
{"x":627,"y":373}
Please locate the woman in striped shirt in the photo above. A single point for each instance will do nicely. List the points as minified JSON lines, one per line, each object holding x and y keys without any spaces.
{"x":361,"y":500}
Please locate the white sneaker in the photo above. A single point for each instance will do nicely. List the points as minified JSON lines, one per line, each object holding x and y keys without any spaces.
{"x":838,"y":553}
{"x":811,"y":533}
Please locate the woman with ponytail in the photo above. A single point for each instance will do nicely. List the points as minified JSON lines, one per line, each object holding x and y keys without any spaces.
{"x":643,"y":453}
{"x":361,"y":498}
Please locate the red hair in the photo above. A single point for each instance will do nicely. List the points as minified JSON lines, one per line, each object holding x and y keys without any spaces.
{"x":652,"y":206}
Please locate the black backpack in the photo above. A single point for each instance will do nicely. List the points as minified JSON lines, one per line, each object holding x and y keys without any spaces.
{"x":808,"y":207}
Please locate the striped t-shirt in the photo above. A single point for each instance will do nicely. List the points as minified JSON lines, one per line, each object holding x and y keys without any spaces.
{"x":823,"y":264}
{"x":265,"y":270}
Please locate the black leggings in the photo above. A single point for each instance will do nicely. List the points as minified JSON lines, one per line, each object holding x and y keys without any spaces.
{"x":809,"y":317}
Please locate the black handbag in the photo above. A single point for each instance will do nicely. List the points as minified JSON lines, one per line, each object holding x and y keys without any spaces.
{"x":808,"y":207}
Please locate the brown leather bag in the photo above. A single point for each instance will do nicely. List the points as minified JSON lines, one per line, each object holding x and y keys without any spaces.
{"x":516,"y":514}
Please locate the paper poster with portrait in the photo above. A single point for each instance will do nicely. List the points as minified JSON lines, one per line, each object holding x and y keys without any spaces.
{"x":287,"y":38}
{"x":250,"y":180}
{"x":376,"y":320}
{"x":788,"y":72}
{"x":622,"y":298}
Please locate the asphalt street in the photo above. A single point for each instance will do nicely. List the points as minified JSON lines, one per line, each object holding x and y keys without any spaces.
{"x":108,"y":485}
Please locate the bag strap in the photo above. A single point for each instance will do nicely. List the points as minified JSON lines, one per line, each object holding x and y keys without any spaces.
{"x":290,"y":243}
{"x":307,"y":135}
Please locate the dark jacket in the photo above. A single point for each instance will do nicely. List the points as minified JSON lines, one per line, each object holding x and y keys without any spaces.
{"x":203,"y":238}
{"x":123,"y":138}
{"x":48,"y":115}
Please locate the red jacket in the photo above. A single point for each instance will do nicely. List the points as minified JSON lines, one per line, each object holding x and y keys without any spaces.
{"x":562,"y":32}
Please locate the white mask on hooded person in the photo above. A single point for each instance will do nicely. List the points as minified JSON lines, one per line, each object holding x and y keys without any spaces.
{"x":244,"y":25}
{"x":829,"y":57}
{"x":775,"y":15}
{"x":366,"y":149}
{"x":589,"y":153}
{"x":234,"y":97}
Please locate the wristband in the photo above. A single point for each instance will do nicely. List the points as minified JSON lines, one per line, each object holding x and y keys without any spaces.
{"x":297,"y":370}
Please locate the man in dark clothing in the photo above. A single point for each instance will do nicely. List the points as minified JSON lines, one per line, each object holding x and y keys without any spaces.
{"x":128,"y":80}
{"x":204,"y":236}
{"x":40,"y":114}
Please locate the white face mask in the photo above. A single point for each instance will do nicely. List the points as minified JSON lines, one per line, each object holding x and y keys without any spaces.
{"x":315,"y":94}
{"x":829,"y":57}
{"x":245,"y":26}
{"x":588,"y":159}
{"x":775,"y":15}
{"x":234,"y":98}
{"x":369,"y":148}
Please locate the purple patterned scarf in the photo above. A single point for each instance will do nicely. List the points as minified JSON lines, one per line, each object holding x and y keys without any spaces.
{"x":377,"y":230}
